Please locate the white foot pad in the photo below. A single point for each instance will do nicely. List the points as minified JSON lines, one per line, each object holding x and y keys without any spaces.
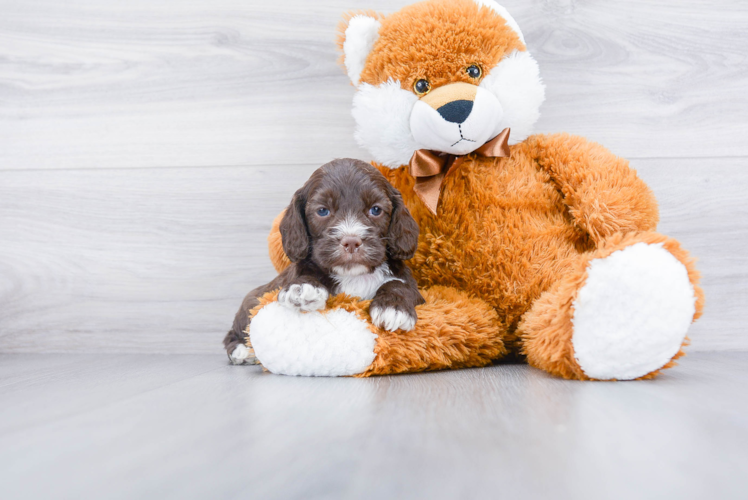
{"x":290,"y":342}
{"x":632,"y":314}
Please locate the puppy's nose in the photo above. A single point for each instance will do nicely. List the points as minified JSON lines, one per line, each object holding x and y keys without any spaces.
{"x":456,"y":111}
{"x":351,"y":243}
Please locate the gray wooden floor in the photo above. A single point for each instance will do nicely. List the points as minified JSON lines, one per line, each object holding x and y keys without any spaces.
{"x":191,"y":426}
{"x":145,"y":147}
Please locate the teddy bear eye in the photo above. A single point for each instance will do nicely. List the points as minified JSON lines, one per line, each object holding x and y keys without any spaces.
{"x":422,"y":87}
{"x":474,"y":71}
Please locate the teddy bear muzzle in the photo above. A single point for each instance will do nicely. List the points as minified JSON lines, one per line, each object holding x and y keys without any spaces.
{"x":457,"y":118}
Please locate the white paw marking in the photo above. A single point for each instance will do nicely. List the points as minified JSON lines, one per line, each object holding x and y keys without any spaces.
{"x":240,"y":354}
{"x":304,"y":297}
{"x":632,"y":313}
{"x":391,"y":319}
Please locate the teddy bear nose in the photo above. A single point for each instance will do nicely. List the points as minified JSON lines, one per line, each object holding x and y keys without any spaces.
{"x":456,"y":111}
{"x":351,"y":243}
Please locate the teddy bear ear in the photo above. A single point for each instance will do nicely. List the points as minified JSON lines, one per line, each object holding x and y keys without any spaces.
{"x":500,"y":10}
{"x":357,"y":33}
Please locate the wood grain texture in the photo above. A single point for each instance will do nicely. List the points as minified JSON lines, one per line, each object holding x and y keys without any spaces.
{"x":190,"y":426}
{"x":145,"y":147}
{"x":94,"y":84}
{"x":703,"y":204}
{"x":133,"y":260}
{"x":158,"y":260}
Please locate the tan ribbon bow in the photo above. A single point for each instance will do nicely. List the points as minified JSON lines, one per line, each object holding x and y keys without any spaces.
{"x":430,"y":167}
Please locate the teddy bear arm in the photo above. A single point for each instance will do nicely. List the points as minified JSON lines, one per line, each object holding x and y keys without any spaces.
{"x":604,"y":195}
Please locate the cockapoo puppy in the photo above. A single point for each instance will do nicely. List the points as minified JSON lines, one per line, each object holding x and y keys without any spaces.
{"x":345,"y":231}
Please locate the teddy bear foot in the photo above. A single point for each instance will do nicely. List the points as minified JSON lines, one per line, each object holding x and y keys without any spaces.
{"x":291,"y":342}
{"x":453,"y":330}
{"x":622,"y":315}
{"x":632,"y":314}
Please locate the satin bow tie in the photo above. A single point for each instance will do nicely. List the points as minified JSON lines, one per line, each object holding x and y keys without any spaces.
{"x":429,"y":168}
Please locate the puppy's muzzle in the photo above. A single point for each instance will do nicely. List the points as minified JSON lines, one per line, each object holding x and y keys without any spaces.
{"x":351,"y":244}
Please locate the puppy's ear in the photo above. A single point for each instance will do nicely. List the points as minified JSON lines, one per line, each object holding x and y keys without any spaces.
{"x":294,"y":233}
{"x":402,"y":238}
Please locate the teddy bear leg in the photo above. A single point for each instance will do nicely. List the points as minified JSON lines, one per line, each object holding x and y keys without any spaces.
{"x":453,"y":331}
{"x":621,"y":312}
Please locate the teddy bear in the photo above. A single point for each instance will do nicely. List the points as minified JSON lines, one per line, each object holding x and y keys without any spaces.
{"x":538,"y":247}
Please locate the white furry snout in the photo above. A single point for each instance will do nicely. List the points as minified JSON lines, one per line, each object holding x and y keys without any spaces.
{"x":303,"y":297}
{"x":392,"y":123}
{"x":392,"y":319}
{"x":351,"y":230}
{"x":350,"y":226}
{"x":435,"y":132}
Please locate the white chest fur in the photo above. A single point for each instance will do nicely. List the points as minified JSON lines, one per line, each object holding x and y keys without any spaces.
{"x":363,"y":285}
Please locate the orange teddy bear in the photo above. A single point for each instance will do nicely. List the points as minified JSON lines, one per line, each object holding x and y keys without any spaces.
{"x":540,"y":246}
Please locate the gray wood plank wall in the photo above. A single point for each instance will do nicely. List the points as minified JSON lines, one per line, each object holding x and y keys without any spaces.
{"x":145,"y":147}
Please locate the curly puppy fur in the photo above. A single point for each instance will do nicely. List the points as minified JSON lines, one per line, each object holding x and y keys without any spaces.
{"x":345,"y":231}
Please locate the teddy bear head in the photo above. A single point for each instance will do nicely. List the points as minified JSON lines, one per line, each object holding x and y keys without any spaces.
{"x":442,"y":75}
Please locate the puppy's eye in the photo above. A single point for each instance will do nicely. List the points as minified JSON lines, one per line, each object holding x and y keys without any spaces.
{"x":474,"y":71}
{"x":422,"y":87}
{"x":323,"y":212}
{"x":376,"y":210}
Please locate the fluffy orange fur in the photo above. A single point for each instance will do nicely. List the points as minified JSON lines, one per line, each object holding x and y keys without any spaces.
{"x":517,"y":233}
{"x":453,"y":331}
{"x":436,"y":28}
{"x":546,"y":329}
{"x":508,"y":228}
{"x":275,"y":244}
{"x":506,"y":254}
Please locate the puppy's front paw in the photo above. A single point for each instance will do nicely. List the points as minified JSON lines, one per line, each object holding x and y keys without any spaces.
{"x":392,"y":319}
{"x":303,"y":297}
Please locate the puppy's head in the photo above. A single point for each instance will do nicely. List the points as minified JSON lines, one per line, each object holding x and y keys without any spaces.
{"x":348,"y":219}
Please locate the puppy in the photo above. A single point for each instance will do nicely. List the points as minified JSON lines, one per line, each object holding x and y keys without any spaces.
{"x":345,"y":231}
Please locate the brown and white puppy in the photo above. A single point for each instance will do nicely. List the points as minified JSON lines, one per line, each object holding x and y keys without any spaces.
{"x":345,"y":231}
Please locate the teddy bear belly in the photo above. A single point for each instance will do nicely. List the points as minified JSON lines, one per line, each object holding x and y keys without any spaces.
{"x":502,"y":234}
{"x":506,"y":269}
